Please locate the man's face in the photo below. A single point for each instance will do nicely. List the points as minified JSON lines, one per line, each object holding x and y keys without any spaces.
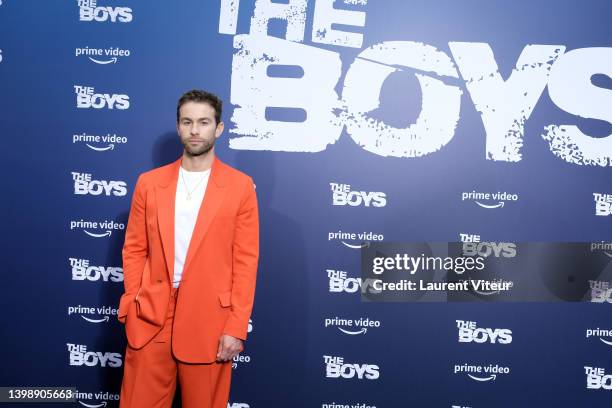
{"x":197,"y":127}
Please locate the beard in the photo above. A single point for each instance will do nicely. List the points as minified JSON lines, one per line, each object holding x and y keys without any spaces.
{"x":199,"y":149}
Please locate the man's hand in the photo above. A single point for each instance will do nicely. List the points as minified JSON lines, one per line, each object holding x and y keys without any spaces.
{"x":229,"y":347}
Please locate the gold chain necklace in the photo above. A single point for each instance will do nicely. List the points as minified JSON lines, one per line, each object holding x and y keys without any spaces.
{"x":189,"y":193}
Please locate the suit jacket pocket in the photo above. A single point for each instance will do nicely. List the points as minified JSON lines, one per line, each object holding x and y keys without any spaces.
{"x":124,"y":306}
{"x":225,"y":298}
{"x":150,"y":304}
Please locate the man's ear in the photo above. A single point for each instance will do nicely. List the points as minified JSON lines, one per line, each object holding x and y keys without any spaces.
{"x":219,"y":129}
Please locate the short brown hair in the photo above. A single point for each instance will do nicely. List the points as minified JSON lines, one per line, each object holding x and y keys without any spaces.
{"x":196,"y":95}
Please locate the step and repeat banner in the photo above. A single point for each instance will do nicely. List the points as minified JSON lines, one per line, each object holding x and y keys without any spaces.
{"x":365,"y":124}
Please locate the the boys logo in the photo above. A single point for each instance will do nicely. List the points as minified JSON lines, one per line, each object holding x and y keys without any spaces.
{"x":601,"y":292}
{"x":81,"y":271}
{"x":505,"y":104}
{"x":342,"y":195}
{"x":83,"y":185}
{"x":469,"y":237}
{"x":603,"y":204}
{"x":90,"y":11}
{"x":339,"y":282}
{"x":485,"y":249}
{"x":468,"y":333}
{"x":237,"y":405}
{"x":88,"y":99}
{"x":335,"y":367}
{"x":597,"y":378}
{"x":79,"y":356}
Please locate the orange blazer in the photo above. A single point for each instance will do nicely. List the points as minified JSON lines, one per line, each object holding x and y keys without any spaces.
{"x":218,"y":283}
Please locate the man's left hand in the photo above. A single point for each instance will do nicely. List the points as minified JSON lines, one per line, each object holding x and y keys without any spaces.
{"x":229,"y":347}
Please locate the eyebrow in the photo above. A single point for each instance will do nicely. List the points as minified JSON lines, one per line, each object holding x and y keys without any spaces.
{"x":188,"y":118}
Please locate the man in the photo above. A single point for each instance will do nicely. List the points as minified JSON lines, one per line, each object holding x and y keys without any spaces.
{"x":189,"y":262}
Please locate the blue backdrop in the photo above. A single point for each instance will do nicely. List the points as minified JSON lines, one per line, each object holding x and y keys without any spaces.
{"x":391,"y":120}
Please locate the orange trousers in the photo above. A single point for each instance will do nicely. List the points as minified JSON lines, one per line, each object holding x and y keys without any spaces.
{"x":150,"y":375}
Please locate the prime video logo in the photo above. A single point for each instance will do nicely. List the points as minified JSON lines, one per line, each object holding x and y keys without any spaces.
{"x":109,"y":140}
{"x":102,"y":56}
{"x":605,"y":247}
{"x":363,"y":237}
{"x":489,"y":200}
{"x":240,"y":358}
{"x":605,"y":336}
{"x":470,"y":333}
{"x":351,"y":327}
{"x":343,"y":195}
{"x":481,"y":373}
{"x":104,"y":396}
{"x":87,"y":98}
{"x":90,"y":11}
{"x":108,"y":226}
{"x":335,"y":367}
{"x":89,"y":313}
{"x":84,"y":184}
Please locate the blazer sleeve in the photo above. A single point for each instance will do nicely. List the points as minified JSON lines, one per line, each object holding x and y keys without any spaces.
{"x":135,"y":249}
{"x":245,"y":256}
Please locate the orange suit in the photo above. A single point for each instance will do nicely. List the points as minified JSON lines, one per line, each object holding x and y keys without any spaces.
{"x":216,"y":291}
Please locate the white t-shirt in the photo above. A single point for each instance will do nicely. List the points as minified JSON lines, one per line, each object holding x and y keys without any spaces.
{"x":185,"y":214}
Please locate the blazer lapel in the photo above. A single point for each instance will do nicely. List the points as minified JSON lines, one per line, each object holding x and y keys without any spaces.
{"x":213,"y":198}
{"x":165,"y":195}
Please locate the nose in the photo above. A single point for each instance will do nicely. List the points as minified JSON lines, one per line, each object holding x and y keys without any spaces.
{"x":195,"y":129}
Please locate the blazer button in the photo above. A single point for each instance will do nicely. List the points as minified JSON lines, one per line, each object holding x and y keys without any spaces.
{"x":159,"y":281}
